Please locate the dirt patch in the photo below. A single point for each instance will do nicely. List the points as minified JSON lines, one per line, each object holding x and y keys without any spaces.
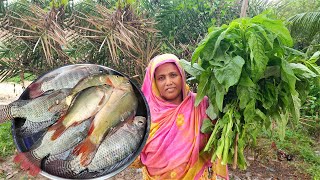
{"x":272,"y":170}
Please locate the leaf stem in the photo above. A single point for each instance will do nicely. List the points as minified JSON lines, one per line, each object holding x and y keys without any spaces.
{"x":235,"y":157}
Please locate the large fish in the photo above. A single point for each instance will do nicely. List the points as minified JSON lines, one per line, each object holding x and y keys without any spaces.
{"x":85,"y":105}
{"x":121,"y":105}
{"x":90,"y":81}
{"x":113,"y":150}
{"x":31,"y":160}
{"x":65,"y":79}
{"x":39,"y":113}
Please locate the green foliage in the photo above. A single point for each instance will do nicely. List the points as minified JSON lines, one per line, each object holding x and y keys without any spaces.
{"x":252,"y":79}
{"x":305,"y":28}
{"x":290,"y":8}
{"x":17,"y":79}
{"x":302,"y":145}
{"x":6,"y":142}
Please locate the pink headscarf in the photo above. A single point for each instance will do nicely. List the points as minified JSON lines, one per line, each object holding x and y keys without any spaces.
{"x":173,"y":148}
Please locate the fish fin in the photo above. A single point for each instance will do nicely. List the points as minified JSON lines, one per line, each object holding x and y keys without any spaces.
{"x":58,"y":130}
{"x":35,"y":90}
{"x":91,"y":129}
{"x":87,"y":150}
{"x":109,"y":82}
{"x":28,"y":163}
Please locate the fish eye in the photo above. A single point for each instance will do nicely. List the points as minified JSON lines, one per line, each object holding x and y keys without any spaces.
{"x":140,"y":122}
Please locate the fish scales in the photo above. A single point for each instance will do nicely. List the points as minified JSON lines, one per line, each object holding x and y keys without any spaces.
{"x":64,"y":80}
{"x":31,"y":160}
{"x":71,"y":137}
{"x":121,"y":105}
{"x":112,"y":150}
{"x":5,"y":113}
{"x":37,"y":111}
{"x":86,"y":104}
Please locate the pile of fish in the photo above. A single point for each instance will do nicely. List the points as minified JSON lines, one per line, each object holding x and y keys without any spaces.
{"x":88,"y":119}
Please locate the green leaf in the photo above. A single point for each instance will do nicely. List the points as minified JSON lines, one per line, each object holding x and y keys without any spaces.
{"x":194,"y":69}
{"x":223,"y":35}
{"x":315,"y":57}
{"x":249,"y":112}
{"x":268,"y":39}
{"x":245,"y":95}
{"x":245,"y":80}
{"x":295,"y":105}
{"x":230,"y":74}
{"x":302,"y":71}
{"x":212,"y":111}
{"x":268,"y":94}
{"x":276,"y":26}
{"x":258,"y":57}
{"x":272,"y":71}
{"x":203,"y":87}
{"x":206,"y":46}
{"x":287,"y":74}
{"x":220,"y":92}
{"x":207,"y":126}
{"x":281,"y":125}
{"x":263,"y":117}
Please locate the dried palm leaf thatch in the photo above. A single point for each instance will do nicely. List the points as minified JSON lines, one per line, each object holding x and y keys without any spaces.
{"x":8,"y":64}
{"x":42,"y":34}
{"x":118,"y":38}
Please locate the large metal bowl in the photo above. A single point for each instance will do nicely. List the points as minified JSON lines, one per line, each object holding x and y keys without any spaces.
{"x":23,"y":144}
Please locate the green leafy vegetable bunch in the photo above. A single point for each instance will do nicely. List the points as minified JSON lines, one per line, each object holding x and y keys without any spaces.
{"x":253,"y":79}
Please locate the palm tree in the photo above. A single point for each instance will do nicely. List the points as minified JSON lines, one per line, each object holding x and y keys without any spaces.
{"x":305,"y":28}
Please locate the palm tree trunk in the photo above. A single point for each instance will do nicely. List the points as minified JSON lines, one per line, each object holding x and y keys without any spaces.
{"x":244,"y":8}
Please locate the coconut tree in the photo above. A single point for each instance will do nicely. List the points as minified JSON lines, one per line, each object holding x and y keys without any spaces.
{"x":305,"y":28}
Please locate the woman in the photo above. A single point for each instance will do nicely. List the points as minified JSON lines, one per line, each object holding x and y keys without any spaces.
{"x":173,"y":149}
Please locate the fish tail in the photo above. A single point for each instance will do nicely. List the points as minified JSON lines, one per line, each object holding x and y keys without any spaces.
{"x":28,"y":163}
{"x":87,"y":149}
{"x":35,"y":90}
{"x":59,"y":168}
{"x":5,"y":113}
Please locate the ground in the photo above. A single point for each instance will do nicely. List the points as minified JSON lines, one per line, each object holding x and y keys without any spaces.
{"x":266,"y":167}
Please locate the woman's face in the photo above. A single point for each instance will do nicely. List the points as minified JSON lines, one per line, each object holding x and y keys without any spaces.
{"x":169,"y":82}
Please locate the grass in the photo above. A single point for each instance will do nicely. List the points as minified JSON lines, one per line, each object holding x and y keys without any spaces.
{"x":302,"y":142}
{"x":17,"y":79}
{"x":7,"y":146}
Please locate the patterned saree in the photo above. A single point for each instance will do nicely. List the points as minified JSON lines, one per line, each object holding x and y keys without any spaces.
{"x":173,"y":149}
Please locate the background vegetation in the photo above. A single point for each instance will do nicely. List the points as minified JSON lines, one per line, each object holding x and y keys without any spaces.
{"x":40,"y":35}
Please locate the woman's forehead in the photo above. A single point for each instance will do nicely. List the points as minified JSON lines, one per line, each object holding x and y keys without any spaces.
{"x":166,"y":68}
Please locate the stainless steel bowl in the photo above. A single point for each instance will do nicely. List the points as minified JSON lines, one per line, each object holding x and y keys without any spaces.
{"x":23,"y":144}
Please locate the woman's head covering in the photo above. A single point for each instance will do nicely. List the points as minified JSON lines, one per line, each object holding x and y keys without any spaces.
{"x":150,"y":80}
{"x":173,"y":148}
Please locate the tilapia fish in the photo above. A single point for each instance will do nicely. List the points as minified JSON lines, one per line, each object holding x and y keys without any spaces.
{"x":121,"y":105}
{"x":85,"y":105}
{"x":31,"y":160}
{"x":113,"y":150}
{"x":90,"y":81}
{"x":66,"y":79}
{"x":39,"y":113}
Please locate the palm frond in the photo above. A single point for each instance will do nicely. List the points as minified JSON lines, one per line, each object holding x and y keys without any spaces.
{"x":305,"y":24}
{"x":118,"y":38}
